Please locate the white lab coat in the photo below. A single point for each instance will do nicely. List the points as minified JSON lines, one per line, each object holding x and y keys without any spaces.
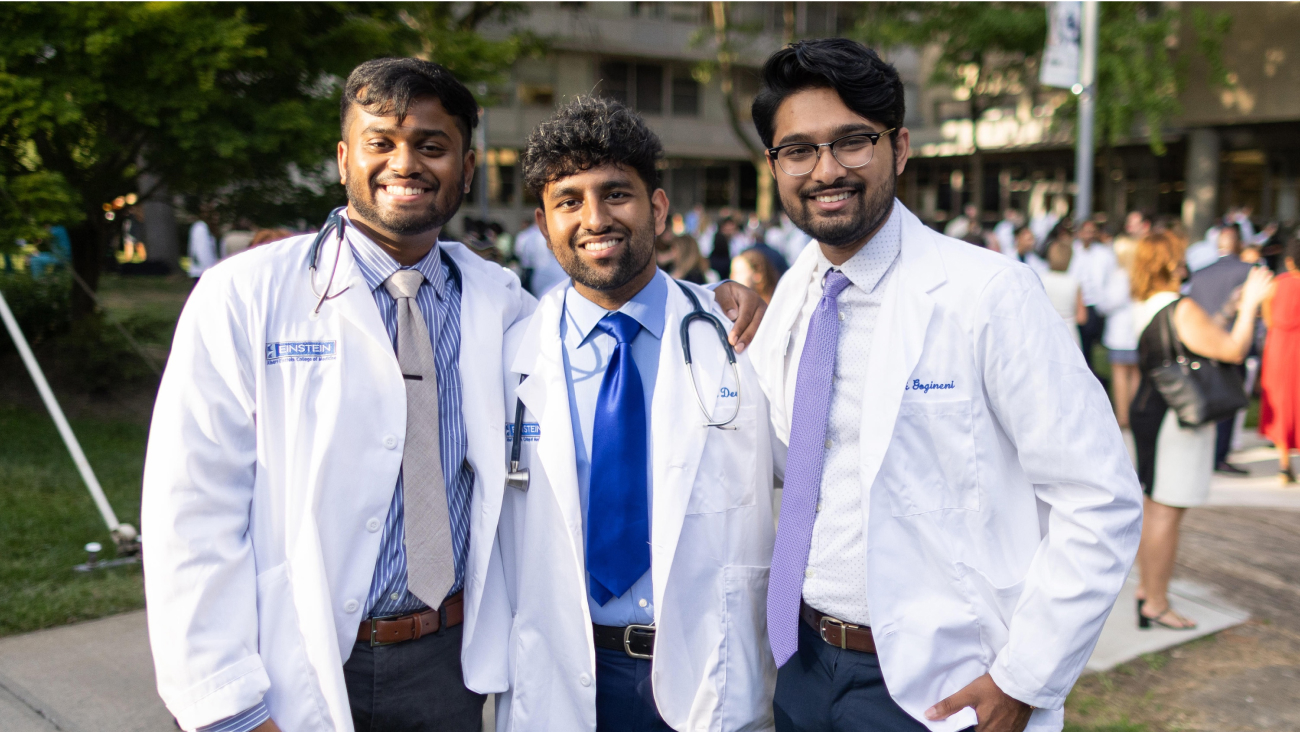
{"x":1003,"y":511}
{"x":267,"y":484}
{"x":711,"y":542}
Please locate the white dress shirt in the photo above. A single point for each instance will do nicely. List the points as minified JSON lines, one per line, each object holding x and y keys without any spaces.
{"x":1091,"y":266}
{"x":837,"y":559}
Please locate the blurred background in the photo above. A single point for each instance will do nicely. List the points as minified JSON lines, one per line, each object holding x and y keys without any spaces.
{"x":142,"y":143}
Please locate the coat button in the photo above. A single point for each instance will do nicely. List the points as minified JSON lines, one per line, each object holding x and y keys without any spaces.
{"x":585,"y":680}
{"x":373,"y":525}
{"x":390,"y":441}
{"x":351,"y":606}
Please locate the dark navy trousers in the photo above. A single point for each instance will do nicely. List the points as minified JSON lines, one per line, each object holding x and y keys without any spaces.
{"x":624,"y":700}
{"x":825,"y":689}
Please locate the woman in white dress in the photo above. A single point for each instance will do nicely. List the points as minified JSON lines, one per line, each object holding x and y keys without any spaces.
{"x":1174,"y":462}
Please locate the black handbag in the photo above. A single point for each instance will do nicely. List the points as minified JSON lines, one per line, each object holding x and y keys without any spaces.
{"x":1200,"y":390}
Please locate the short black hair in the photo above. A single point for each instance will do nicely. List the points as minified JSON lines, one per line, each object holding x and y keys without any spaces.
{"x":866,"y":84}
{"x":388,"y":86}
{"x":587,"y":133}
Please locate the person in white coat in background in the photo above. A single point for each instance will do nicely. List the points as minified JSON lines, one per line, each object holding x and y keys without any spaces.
{"x":959,"y":512}
{"x":636,"y":558}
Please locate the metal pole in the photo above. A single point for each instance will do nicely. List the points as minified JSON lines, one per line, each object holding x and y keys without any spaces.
{"x":65,"y":430}
{"x":1083,"y":159}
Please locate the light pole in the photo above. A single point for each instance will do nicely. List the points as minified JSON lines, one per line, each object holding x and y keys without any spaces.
{"x":1087,"y":91}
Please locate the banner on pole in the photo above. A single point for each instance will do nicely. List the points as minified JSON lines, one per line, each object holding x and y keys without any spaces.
{"x":1061,"y":57}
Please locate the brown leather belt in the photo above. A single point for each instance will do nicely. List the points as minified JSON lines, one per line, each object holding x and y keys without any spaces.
{"x":837,"y":632}
{"x":401,"y":628}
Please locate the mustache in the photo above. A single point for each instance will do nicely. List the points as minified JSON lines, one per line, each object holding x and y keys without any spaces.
{"x":614,"y":229}
{"x":815,"y":190}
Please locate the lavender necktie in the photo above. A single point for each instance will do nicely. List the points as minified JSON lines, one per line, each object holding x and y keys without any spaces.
{"x":803,"y":470}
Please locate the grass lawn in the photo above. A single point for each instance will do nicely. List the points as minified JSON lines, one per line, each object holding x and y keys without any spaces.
{"x":47,"y":516}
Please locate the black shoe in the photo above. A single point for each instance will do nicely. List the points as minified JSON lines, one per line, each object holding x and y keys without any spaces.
{"x":1230,"y":469}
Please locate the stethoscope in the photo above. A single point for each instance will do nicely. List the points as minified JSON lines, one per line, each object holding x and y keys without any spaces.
{"x":519,"y":478}
{"x":336,"y":223}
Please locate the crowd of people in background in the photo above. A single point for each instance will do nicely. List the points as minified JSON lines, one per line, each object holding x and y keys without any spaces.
{"x":1115,"y":289}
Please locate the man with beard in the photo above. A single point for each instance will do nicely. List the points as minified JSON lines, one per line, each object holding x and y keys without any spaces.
{"x":642,"y":534}
{"x":326,"y":464}
{"x":959,"y":511}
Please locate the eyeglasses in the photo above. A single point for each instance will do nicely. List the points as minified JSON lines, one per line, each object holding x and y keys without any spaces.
{"x":851,"y":151}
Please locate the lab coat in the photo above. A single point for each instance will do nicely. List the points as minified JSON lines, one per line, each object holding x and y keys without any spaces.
{"x":267,"y":483}
{"x":1003,"y":513}
{"x":711,"y":541}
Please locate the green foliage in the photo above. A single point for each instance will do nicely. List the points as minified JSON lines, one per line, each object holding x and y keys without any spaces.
{"x":449,"y":34}
{"x":30,"y":202}
{"x":41,"y":306}
{"x":987,"y":50}
{"x":1114,"y":727}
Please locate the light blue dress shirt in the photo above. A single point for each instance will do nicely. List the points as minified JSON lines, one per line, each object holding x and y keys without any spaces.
{"x":587,"y":351}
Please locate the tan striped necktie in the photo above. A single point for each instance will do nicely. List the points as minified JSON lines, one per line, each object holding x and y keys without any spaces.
{"x":430,"y":566}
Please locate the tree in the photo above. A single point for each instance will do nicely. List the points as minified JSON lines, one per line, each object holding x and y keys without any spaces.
{"x":988,"y":51}
{"x":199,"y":97}
{"x":727,"y":38}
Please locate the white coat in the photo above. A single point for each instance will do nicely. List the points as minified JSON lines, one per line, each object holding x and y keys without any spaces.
{"x":1003,"y":512}
{"x":711,"y":542}
{"x":267,"y":483}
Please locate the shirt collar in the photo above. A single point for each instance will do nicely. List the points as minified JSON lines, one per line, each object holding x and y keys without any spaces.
{"x":646,"y":307}
{"x":869,"y":264}
{"x":377,"y":265}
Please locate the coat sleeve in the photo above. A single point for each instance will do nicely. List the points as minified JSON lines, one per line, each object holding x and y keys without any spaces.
{"x":1090,"y":505}
{"x":200,"y":576}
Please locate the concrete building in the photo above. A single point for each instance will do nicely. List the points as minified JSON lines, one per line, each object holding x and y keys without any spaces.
{"x":653,"y":56}
{"x":1228,"y":147}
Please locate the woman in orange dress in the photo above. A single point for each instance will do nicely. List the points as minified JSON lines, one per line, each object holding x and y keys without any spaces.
{"x":1279,"y":409}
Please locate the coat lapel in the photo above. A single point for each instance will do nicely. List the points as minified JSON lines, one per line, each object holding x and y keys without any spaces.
{"x":677,"y":431}
{"x":546,"y":395}
{"x":898,"y":340}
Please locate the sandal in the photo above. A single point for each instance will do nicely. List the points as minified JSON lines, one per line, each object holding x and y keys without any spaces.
{"x":1145,"y":621}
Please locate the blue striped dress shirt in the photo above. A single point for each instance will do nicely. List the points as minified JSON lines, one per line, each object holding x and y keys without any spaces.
{"x":439,"y":301}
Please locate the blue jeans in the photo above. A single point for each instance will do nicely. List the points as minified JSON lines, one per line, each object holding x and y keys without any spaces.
{"x":624,"y":700}
{"x":415,"y":686}
{"x":825,"y":689}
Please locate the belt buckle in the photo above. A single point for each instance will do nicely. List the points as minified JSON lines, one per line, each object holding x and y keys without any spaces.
{"x":374,"y":631}
{"x":627,"y":641}
{"x":843,"y":626}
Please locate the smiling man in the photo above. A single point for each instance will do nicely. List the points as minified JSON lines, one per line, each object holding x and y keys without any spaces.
{"x":636,"y":559}
{"x":959,"y":511}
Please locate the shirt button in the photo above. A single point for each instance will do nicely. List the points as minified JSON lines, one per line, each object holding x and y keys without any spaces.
{"x":390,"y":441}
{"x":643,"y":603}
{"x":373,"y":525}
{"x":841,"y":316}
{"x":394,"y":596}
{"x":351,"y":606}
{"x":819,"y":507}
{"x":808,"y":573}
{"x":585,"y":680}
{"x":828,"y":443}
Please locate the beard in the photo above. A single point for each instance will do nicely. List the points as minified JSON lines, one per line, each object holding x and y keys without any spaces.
{"x":361,"y":194}
{"x":850,"y":226}
{"x":636,"y":256}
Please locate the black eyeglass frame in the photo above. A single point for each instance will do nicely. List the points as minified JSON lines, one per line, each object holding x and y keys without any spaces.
{"x":775,"y":152}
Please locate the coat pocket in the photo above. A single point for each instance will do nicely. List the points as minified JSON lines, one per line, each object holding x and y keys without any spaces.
{"x":725,"y":479}
{"x":295,"y":697}
{"x":745,"y":697}
{"x":934,"y":450}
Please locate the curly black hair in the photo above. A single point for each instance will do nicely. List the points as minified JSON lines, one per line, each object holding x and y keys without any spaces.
{"x":587,"y":133}
{"x":388,"y":86}
{"x":865,"y":83}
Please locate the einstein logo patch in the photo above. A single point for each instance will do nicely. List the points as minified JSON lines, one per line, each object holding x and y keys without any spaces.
{"x":532,"y":432}
{"x":302,"y":351}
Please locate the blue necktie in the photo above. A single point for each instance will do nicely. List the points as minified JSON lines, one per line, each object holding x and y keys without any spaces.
{"x":618,"y":515}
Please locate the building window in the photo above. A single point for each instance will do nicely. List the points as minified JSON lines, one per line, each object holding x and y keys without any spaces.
{"x":717,"y":186}
{"x":640,"y":86}
{"x":686,"y":96}
{"x":501,"y":175}
{"x":536,"y":95}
